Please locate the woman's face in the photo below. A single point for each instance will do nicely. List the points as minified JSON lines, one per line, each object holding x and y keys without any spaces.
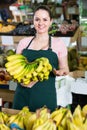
{"x":42,"y":21}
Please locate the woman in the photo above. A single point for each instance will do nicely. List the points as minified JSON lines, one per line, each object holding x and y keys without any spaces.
{"x":39,"y":94}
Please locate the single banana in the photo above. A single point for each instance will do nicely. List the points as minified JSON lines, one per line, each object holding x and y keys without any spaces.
{"x":18,"y":70}
{"x":84,"y":110}
{"x":14,"y":62}
{"x":9,"y":69}
{"x":4,"y":116}
{"x":44,"y":126}
{"x":71,"y":125}
{"x":77,"y":116}
{"x":40,"y":67}
{"x":4,"y":127}
{"x":29,"y":74}
{"x":15,"y":57}
{"x":63,"y":123}
{"x":59,"y":116}
{"x":22,"y":73}
{"x":1,"y":118}
{"x":30,"y":121}
{"x":19,"y":121}
{"x":11,"y":119}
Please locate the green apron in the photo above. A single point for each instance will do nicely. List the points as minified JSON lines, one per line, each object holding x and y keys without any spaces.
{"x":42,"y":93}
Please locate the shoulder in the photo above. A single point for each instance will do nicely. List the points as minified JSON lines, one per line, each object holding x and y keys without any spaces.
{"x":25,"y":40}
{"x":58,"y":42}
{"x":59,"y":46}
{"x":23,"y":43}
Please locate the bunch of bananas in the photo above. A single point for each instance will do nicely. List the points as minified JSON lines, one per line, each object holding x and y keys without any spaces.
{"x":42,"y":119}
{"x":3,"y":119}
{"x":17,"y":120}
{"x":25,"y":72}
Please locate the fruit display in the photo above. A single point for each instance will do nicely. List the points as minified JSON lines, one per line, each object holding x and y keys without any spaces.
{"x":25,"y":72}
{"x":4,"y":28}
{"x":42,"y":119}
{"x":3,"y":54}
{"x":4,"y":77}
{"x":82,"y":60}
{"x":73,"y":59}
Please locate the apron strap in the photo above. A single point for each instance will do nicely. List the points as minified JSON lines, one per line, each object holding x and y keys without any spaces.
{"x":30,"y":42}
{"x":50,"y":43}
{"x":33,"y":39}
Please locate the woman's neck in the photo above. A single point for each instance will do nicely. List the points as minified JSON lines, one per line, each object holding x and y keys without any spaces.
{"x":42,"y":36}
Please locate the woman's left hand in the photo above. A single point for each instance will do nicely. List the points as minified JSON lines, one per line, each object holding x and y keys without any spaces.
{"x":61,"y":72}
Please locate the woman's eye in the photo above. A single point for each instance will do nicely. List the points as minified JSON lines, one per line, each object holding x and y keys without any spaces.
{"x":44,"y":19}
{"x":36,"y":19}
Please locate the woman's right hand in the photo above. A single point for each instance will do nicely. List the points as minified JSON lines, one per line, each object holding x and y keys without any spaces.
{"x":30,"y":85}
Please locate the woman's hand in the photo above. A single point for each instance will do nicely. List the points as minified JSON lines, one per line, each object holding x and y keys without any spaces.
{"x":61,"y":72}
{"x":30,"y":85}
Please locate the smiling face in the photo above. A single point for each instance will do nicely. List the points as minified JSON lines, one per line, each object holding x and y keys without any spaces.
{"x":42,"y":21}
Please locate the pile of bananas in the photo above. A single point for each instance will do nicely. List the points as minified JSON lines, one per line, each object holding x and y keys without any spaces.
{"x":43,"y":119}
{"x":25,"y":72}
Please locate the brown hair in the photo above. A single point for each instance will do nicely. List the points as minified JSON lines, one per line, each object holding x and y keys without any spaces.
{"x":44,"y":7}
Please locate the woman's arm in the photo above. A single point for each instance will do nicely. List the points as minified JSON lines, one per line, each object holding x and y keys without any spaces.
{"x":63,"y":67}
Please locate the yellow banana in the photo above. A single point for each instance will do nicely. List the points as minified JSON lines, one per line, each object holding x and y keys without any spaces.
{"x":63,"y":122}
{"x":40,"y":67}
{"x":11,"y":119}
{"x":71,"y":125}
{"x":54,"y":113}
{"x":14,"y":62}
{"x":19,"y":121}
{"x":18,"y":70}
{"x":40,"y":76}
{"x":45,"y":126}
{"x":1,"y":118}
{"x":77,"y":116}
{"x":9,"y":69}
{"x":22,"y":73}
{"x":4,"y":127}
{"x":30,"y":121}
{"x":4,"y":116}
{"x":14,"y":57}
{"x":84,"y":110}
{"x":59,"y":116}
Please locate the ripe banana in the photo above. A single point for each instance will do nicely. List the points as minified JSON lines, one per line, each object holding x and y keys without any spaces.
{"x":77,"y":116}
{"x":22,"y":73}
{"x":12,"y":68}
{"x":59,"y":115}
{"x":4,"y":127}
{"x":40,"y":67}
{"x":11,"y":119}
{"x":18,"y":69}
{"x":19,"y":121}
{"x":71,"y":125}
{"x":15,"y":57}
{"x":30,"y":121}
{"x":13,"y":63}
{"x":3,"y":117}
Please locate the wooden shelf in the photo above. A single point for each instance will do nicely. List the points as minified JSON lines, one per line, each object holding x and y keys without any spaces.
{"x":7,"y":95}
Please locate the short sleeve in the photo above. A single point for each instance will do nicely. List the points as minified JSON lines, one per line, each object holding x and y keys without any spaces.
{"x":22,"y":44}
{"x":59,"y":47}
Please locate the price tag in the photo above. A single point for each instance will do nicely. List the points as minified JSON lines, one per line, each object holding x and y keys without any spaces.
{"x":71,"y":10}
{"x":0,"y":101}
{"x":84,"y":41}
{"x":7,"y":40}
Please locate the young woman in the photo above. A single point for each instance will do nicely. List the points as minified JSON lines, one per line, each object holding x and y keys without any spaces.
{"x":39,"y":94}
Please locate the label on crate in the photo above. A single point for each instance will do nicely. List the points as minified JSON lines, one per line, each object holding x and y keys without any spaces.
{"x":7,"y":40}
